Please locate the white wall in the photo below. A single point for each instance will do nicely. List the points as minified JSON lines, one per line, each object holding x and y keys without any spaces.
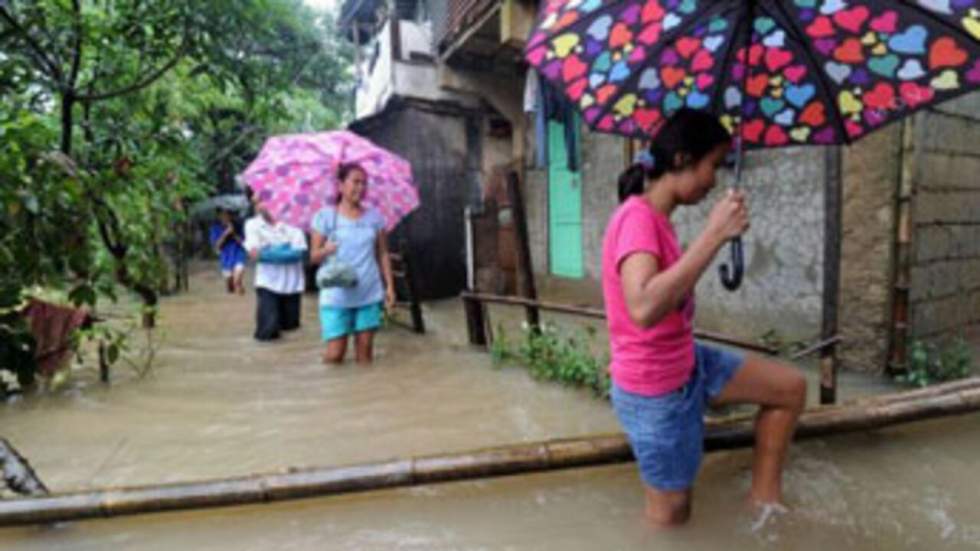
{"x":377,"y":84}
{"x":415,"y":37}
{"x":412,"y":79}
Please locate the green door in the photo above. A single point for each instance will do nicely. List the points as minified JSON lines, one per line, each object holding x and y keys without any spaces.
{"x":564,"y":208}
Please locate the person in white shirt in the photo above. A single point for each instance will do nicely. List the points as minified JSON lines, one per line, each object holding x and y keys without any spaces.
{"x":278,"y":249}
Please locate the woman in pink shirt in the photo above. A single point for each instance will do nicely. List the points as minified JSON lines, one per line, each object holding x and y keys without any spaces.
{"x":662,"y":379}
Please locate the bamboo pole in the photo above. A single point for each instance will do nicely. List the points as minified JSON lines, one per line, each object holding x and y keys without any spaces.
{"x":833,"y":228}
{"x":871,"y":413}
{"x":597,"y":313}
{"x":901,"y":284}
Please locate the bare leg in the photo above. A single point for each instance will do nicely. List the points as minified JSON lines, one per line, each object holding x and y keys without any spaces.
{"x":364,"y":342}
{"x":666,"y":509}
{"x":780,"y":391}
{"x":336,"y":350}
{"x":240,"y":282}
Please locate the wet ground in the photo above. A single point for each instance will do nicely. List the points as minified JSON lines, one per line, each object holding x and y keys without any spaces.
{"x":218,"y":404}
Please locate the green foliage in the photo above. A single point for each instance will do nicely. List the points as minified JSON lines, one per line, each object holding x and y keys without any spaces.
{"x":115,"y":115}
{"x":554,"y":355}
{"x":931,"y":363}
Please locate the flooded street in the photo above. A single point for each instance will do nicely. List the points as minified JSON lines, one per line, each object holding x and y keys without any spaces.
{"x":218,"y":404}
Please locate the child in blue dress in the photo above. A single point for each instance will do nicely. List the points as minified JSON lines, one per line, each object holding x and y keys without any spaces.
{"x":226,"y":238}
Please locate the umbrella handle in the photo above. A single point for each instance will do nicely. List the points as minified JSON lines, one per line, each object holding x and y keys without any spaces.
{"x":731,"y":278}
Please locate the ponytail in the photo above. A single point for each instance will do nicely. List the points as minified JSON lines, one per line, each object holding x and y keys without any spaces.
{"x":633,"y":181}
{"x":688,"y":134}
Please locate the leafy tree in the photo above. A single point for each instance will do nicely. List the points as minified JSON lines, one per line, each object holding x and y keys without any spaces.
{"x":149,"y":105}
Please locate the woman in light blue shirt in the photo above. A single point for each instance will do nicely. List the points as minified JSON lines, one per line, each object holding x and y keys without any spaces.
{"x":356,"y":234}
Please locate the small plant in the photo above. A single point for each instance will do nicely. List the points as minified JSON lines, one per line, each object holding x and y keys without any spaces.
{"x":779,"y":342}
{"x":931,"y":363}
{"x":553,"y":355}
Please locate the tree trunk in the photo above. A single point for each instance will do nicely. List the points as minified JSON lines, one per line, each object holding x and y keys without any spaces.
{"x":67,"y":121}
{"x":146,"y":293}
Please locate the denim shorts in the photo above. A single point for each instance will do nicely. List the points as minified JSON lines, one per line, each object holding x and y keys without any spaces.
{"x":666,"y":432}
{"x":336,"y":322}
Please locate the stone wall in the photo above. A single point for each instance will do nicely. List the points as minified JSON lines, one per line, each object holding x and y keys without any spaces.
{"x":945,"y":271}
{"x":871,"y":173}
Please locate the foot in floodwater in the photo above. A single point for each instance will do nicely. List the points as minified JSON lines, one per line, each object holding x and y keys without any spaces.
{"x":766,"y":513}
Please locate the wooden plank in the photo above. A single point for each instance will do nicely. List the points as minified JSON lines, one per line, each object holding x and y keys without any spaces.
{"x":523,"y":248}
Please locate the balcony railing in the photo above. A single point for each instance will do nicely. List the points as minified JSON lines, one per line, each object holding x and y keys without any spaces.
{"x":451,"y":18}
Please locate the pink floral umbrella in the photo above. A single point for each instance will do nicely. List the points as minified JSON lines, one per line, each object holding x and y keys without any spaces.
{"x":295,"y":175}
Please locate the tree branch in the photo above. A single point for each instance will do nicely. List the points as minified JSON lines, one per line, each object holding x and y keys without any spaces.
{"x":252,"y":128}
{"x":76,"y":61}
{"x":142,"y":82}
{"x":46,"y":65}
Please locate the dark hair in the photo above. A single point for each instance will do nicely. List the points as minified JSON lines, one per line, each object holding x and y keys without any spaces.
{"x":688,"y":132}
{"x":632,"y":181}
{"x":345,"y":170}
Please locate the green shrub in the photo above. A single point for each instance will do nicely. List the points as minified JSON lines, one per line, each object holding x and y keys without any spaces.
{"x":554,"y":355}
{"x":931,"y":363}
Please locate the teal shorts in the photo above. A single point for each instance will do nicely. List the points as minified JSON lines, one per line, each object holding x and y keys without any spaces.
{"x":337,"y":322}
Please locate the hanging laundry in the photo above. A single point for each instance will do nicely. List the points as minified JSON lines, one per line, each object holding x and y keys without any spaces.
{"x":547,"y":103}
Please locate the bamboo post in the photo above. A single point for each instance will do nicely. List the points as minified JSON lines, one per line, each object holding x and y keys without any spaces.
{"x":833,"y":205}
{"x":523,"y":248}
{"x":470,"y":248}
{"x":475,"y":320}
{"x":870,"y":413}
{"x":903,"y":253}
{"x":415,"y":306}
{"x":103,"y":363}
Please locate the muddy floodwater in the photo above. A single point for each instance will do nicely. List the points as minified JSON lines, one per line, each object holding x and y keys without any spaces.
{"x":218,"y":404}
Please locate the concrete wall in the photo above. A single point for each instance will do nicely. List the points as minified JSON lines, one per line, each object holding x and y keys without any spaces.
{"x":415,"y":38}
{"x":945,"y":272}
{"x":503,"y":91}
{"x":783,"y":284}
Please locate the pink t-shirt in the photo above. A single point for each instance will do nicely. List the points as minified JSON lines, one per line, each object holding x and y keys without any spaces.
{"x":660,"y":359}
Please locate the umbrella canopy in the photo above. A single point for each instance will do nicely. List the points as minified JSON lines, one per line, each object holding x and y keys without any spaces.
{"x":786,"y":72}
{"x":294,"y":176}
{"x":235,"y":202}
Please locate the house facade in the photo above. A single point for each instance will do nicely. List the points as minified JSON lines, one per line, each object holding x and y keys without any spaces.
{"x":900,"y":239}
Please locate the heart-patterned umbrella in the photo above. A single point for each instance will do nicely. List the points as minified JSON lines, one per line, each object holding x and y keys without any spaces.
{"x":776,"y":72}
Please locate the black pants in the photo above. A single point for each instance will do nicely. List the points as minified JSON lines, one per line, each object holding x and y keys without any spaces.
{"x":275,"y":312}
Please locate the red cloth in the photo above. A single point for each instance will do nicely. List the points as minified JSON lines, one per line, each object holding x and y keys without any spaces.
{"x":52,"y":326}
